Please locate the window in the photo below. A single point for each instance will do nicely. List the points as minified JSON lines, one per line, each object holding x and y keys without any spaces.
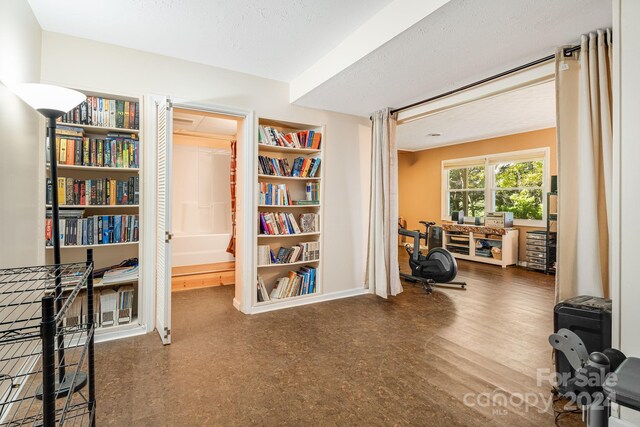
{"x":466,"y":190}
{"x":510,"y":182}
{"x":518,"y":188}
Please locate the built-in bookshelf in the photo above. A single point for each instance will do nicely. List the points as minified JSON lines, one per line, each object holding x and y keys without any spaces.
{"x":290,"y":162}
{"x":99,"y":152}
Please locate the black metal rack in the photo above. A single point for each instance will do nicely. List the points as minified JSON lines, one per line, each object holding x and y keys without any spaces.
{"x":46,"y":363}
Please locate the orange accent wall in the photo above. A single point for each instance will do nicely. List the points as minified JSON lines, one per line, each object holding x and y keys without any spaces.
{"x":420,"y":173}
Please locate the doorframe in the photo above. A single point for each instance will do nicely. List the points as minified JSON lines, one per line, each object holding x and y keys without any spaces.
{"x":245,"y":225}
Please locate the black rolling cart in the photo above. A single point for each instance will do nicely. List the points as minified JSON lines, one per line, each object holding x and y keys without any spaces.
{"x":46,"y":355}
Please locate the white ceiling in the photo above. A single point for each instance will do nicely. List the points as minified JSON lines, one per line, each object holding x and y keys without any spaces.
{"x":186,"y":122}
{"x":519,"y":111}
{"x":277,"y":39}
{"x":354,"y":56}
{"x":461,"y":42}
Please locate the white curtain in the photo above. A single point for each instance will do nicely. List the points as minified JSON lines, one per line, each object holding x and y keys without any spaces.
{"x":382,"y":275}
{"x":585,"y":142}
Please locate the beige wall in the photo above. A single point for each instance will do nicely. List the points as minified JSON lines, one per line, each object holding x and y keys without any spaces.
{"x":347,"y":139}
{"x":20,"y":143}
{"x":420,"y":173}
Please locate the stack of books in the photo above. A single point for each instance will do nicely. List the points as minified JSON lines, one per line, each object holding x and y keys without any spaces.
{"x":303,"y":139}
{"x":121,"y":275}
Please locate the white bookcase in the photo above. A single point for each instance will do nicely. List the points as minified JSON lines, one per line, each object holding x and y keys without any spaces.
{"x":297,"y":187}
{"x":107,"y":254}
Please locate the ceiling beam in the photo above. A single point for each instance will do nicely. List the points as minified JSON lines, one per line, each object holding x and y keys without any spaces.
{"x":536,"y":75}
{"x":396,"y":17}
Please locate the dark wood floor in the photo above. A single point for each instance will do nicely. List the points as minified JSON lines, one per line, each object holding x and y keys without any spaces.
{"x":409,"y":360}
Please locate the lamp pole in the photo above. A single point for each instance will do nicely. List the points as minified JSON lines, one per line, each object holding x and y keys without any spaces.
{"x":51,"y":116}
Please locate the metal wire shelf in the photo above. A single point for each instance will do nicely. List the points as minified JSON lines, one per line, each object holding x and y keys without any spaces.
{"x":44,"y":354}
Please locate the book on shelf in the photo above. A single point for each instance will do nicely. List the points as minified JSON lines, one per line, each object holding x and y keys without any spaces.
{"x":93,"y":230}
{"x":117,"y":150}
{"x":302,"y":167}
{"x":304,"y":251}
{"x":309,"y":222}
{"x":96,"y":192}
{"x":104,"y":112}
{"x":278,"y":223}
{"x":312,"y":192}
{"x":263,"y":295}
{"x":295,"y":283}
{"x":268,"y":135}
{"x":274,"y":194}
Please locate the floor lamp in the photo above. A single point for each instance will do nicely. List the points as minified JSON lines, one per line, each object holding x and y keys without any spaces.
{"x":52,"y":102}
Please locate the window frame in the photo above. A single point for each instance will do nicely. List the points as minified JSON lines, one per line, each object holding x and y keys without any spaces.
{"x":489,"y":162}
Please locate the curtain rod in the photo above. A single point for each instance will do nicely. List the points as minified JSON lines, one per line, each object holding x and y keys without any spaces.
{"x":567,"y":51}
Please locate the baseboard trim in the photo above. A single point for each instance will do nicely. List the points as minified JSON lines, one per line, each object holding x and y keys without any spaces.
{"x":236,"y":304}
{"x":311,"y":300}
{"x":108,"y":334}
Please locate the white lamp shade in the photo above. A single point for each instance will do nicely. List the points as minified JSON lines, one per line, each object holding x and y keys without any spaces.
{"x":48,"y":97}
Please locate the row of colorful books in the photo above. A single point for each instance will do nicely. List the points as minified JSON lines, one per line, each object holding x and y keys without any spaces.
{"x":116,"y":150}
{"x":274,"y":194}
{"x":302,"y":167}
{"x":304,"y":251}
{"x":93,"y":230}
{"x":95,"y":192}
{"x":104,"y":112}
{"x":268,"y":135}
{"x":283,"y":223}
{"x":295,"y":283}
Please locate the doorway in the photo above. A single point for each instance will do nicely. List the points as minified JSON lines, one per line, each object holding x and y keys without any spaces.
{"x":201,"y":219}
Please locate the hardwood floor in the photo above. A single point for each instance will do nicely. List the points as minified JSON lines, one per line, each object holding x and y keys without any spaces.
{"x":414,"y":359}
{"x":202,"y":276}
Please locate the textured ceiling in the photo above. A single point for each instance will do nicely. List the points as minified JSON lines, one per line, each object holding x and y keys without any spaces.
{"x":277,"y":39}
{"x":186,"y":122}
{"x":519,"y":111}
{"x":463,"y":41}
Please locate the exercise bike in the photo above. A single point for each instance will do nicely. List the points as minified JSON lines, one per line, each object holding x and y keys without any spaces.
{"x":437,"y":267}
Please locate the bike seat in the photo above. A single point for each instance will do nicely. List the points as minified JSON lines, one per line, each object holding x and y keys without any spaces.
{"x":626,"y":390}
{"x":427,"y":223}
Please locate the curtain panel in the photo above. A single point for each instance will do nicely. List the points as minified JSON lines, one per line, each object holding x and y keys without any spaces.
{"x":231,"y":248}
{"x":585,"y":143}
{"x":383,"y":274}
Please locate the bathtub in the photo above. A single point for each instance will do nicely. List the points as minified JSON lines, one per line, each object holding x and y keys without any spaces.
{"x":195,"y":249}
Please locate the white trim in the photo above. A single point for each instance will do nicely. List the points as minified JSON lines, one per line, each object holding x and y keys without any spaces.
{"x":119,"y":331}
{"x":296,"y":302}
{"x":488,"y":160}
{"x":615,"y":262}
{"x":246,"y":204}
